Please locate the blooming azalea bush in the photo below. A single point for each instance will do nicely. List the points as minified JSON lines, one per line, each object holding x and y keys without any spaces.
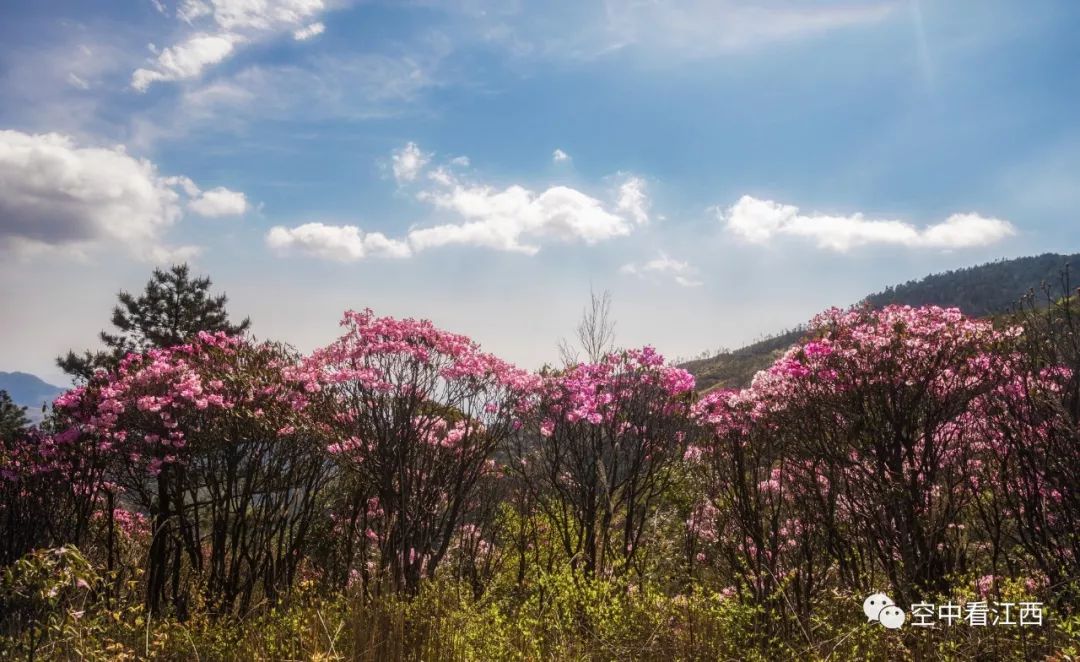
{"x":599,"y":451}
{"x":419,"y":414}
{"x":400,"y":493}
{"x":852,"y":457}
{"x":51,"y":485}
{"x":1033,"y":506}
{"x":217,"y":443}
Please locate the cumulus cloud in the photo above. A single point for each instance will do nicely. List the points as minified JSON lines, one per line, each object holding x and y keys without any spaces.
{"x":662,"y":265}
{"x":56,"y":194}
{"x":558,"y":156}
{"x":516,"y":218}
{"x":343,"y":243}
{"x":185,"y":60}
{"x":408,"y":162}
{"x":759,"y":221}
{"x":307,"y":32}
{"x":512,"y":218}
{"x":223,"y":25}
{"x":217,"y":202}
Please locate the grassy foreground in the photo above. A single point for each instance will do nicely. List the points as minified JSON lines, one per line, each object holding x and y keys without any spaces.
{"x":67,"y":612}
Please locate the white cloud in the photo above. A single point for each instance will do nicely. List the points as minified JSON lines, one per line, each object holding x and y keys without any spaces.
{"x":343,"y":243}
{"x":219,"y":201}
{"x":191,"y":10}
{"x":558,"y":156}
{"x":501,"y":219}
{"x":408,"y":162}
{"x":758,"y":221}
{"x":58,"y":195}
{"x":186,"y":60}
{"x":223,"y":25}
{"x":633,"y":200}
{"x":515,"y":218}
{"x":442,"y":176}
{"x":462,"y":161}
{"x":307,"y":32}
{"x":186,"y":185}
{"x":264,"y":14}
{"x":214,"y":203}
{"x":662,"y":265}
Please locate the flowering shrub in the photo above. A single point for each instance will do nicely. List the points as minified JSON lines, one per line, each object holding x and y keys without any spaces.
{"x":419,"y":413}
{"x":222,"y":450}
{"x":50,"y":485}
{"x":598,"y":452}
{"x":859,"y":444}
{"x":422,"y":496}
{"x":1034,"y":502}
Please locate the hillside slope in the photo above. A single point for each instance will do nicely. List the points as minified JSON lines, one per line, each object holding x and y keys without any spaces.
{"x":28,"y":391}
{"x":988,"y":289}
{"x":735,"y":369}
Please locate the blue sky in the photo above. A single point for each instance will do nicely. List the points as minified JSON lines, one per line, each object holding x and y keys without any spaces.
{"x":724,"y":169}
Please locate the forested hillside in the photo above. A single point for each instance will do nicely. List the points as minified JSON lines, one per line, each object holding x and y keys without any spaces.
{"x":735,"y":369}
{"x":987,"y":289}
{"x":981,"y":291}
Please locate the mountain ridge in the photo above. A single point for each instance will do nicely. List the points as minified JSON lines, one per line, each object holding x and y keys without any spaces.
{"x":984,"y":290}
{"x":30,"y":391}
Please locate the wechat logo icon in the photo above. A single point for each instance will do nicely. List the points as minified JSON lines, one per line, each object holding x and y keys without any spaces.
{"x":881,"y":608}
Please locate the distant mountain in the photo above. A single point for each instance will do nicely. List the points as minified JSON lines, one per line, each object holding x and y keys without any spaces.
{"x":28,"y":391}
{"x":985,"y":290}
{"x":982,"y":291}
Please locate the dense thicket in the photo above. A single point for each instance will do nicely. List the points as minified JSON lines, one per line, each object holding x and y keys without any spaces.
{"x":915,"y":451}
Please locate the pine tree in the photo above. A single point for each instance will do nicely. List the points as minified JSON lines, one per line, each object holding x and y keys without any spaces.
{"x":12,"y":417}
{"x":172,"y":309}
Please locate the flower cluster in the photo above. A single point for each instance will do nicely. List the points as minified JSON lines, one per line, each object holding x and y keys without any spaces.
{"x":158,"y":402}
{"x":375,"y":350}
{"x":418,"y":414}
{"x":600,"y":393}
{"x":876,"y":412}
{"x":607,"y":435}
